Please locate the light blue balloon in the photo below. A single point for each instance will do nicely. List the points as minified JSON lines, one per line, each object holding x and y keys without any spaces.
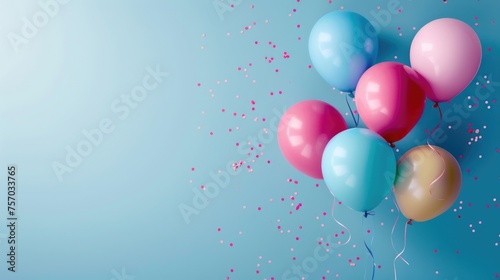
{"x":359,"y":168}
{"x":342,"y":46}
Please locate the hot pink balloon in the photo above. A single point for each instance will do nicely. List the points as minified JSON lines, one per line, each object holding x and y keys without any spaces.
{"x":304,"y":131}
{"x":390,"y":98}
{"x":447,"y":53}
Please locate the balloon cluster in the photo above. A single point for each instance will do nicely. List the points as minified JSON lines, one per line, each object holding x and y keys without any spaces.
{"x":358,"y":164}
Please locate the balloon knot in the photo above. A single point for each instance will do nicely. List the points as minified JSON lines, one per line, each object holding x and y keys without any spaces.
{"x":435,"y":105}
{"x":392,"y":145}
{"x":368,"y":213}
{"x":351,"y":94}
{"x":410,"y":222}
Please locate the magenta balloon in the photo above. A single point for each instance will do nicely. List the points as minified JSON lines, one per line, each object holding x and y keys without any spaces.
{"x":390,"y":98}
{"x":304,"y":131}
{"x":447,"y":52}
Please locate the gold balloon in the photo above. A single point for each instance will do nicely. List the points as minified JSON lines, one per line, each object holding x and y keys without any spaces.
{"x":421,"y":196}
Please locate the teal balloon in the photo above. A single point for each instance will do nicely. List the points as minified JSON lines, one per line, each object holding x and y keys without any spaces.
{"x":359,"y":168}
{"x":342,"y":46}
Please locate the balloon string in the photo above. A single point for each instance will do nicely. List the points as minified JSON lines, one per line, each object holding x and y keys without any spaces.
{"x":340,"y":224}
{"x":394,"y":227}
{"x":356,"y":122}
{"x":365,"y":216}
{"x":409,"y":222}
{"x":436,"y":105}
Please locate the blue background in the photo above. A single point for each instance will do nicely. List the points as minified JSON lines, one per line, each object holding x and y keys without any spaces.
{"x":117,"y":214}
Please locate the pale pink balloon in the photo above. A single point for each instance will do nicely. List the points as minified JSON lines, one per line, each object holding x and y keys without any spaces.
{"x":304,"y":131}
{"x":447,"y":53}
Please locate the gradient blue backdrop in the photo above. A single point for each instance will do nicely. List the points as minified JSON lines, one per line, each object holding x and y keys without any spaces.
{"x":117,"y":215}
